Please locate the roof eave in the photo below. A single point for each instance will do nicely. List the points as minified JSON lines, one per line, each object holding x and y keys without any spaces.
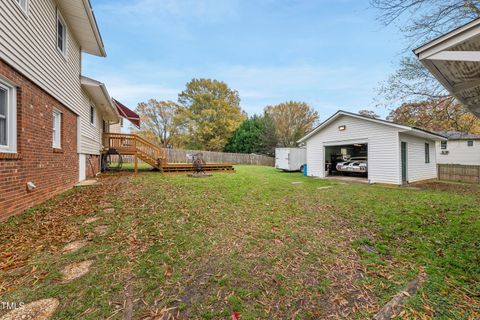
{"x":96,"y":30}
{"x":90,"y":85}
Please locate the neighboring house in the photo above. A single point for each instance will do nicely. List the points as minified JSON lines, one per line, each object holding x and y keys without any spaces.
{"x":396,"y":153}
{"x":461,"y":148}
{"x":51,"y":117}
{"x":454,"y":60}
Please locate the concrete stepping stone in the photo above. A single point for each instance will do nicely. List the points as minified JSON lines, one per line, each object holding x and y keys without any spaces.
{"x":76,"y":270}
{"x":37,"y":310}
{"x":297,"y":182}
{"x":101,"y":230}
{"x":323,"y":188}
{"x":74,"y":246}
{"x":91,"y":220}
{"x":109,"y":210}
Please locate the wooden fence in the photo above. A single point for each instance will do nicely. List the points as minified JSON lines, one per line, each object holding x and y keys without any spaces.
{"x":182,"y":156}
{"x":457,"y":172}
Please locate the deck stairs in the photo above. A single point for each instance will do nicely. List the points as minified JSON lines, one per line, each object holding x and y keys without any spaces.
{"x":134,"y":145}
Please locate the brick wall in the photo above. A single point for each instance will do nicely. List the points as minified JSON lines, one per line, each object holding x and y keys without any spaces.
{"x":51,"y":170}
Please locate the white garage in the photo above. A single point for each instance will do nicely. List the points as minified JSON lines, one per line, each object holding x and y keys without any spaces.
{"x":395,"y":154}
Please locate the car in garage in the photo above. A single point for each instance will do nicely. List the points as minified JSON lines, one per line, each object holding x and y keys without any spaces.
{"x":354,"y":165}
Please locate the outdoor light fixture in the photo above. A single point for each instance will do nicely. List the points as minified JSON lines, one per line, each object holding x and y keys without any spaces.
{"x":342,"y":128}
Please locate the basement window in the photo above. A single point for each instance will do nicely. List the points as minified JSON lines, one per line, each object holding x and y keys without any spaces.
{"x":57,"y":129}
{"x":61,"y":34}
{"x":470,"y":143}
{"x":8,"y":117}
{"x":427,"y":153}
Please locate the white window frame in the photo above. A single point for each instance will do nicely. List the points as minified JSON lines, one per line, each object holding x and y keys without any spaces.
{"x":11,"y":146}
{"x":92,"y":117}
{"x":25,"y":8}
{"x":65,"y":32}
{"x":56,"y":129}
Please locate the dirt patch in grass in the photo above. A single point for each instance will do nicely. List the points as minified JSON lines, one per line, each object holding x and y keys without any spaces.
{"x":38,"y":310}
{"x":76,"y":270}
{"x":74,"y":246}
{"x":455,"y":187}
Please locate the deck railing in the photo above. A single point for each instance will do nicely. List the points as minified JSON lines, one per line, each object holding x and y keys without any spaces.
{"x":131,"y":144}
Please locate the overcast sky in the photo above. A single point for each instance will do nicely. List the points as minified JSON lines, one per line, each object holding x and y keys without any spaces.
{"x":331,"y":54}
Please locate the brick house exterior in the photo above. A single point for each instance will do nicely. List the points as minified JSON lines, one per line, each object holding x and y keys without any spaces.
{"x":51,"y":116}
{"x":51,"y":170}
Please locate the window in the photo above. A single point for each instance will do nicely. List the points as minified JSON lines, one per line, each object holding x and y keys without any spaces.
{"x":443,"y":145}
{"x":23,"y":5}
{"x":8,"y":117}
{"x":470,"y":143}
{"x":92,"y":115}
{"x":427,"y":153}
{"x":57,"y":128}
{"x":61,"y":35}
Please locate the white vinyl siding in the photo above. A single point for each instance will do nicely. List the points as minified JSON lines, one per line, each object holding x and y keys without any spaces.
{"x":23,"y":4}
{"x":417,"y":168}
{"x":29,"y":45}
{"x":458,"y":152}
{"x":8,"y":118}
{"x":57,"y":129}
{"x":383,"y":147}
{"x":116,"y":128}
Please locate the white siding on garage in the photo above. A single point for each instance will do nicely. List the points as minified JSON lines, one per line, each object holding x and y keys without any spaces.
{"x":417,"y":169}
{"x":383,"y":147}
{"x":459,"y":153}
{"x":28,"y":43}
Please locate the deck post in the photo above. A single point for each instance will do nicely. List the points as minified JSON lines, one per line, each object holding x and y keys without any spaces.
{"x":136,"y":164}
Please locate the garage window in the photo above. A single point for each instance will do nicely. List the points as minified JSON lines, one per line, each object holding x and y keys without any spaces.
{"x":470,"y":143}
{"x":427,"y":153}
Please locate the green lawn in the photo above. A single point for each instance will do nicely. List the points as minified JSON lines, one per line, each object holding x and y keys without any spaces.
{"x":260,"y":242}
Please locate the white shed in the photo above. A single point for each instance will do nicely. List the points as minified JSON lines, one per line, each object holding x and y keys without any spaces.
{"x":461,"y":148}
{"x":395,"y":153}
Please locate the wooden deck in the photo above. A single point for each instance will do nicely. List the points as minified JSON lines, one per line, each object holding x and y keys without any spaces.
{"x":131,"y":144}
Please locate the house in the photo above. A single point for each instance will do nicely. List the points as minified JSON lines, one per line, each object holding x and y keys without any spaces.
{"x":454,"y":60}
{"x":395,"y":153}
{"x":461,"y":148}
{"x":51,"y":117}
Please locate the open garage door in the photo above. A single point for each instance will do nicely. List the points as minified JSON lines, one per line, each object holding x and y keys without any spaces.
{"x":348,"y":160}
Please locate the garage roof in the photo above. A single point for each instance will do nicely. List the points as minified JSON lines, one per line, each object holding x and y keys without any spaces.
{"x":454,"y":60}
{"x":81,"y":21}
{"x":407,"y":129}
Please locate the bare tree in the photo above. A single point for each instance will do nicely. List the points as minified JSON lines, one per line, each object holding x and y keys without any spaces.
{"x":369,"y":113}
{"x":420,"y":21}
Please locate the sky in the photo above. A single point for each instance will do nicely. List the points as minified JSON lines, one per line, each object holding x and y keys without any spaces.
{"x":332,"y":54}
